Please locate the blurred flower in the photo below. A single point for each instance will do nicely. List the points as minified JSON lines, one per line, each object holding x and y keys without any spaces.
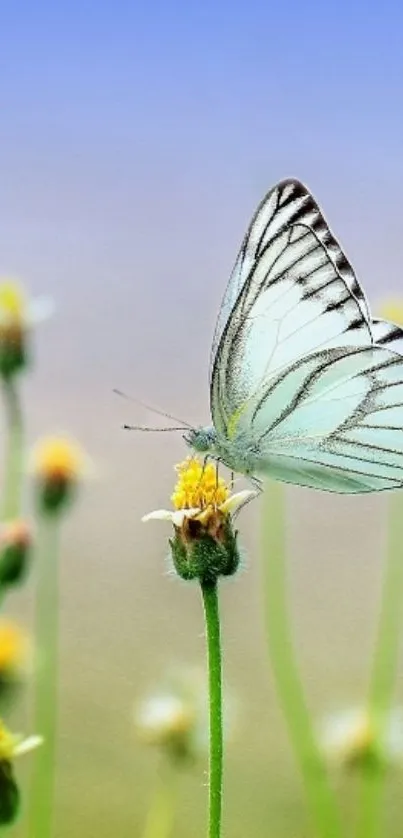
{"x":58,"y":464}
{"x":392,"y":309}
{"x":14,"y":745}
{"x":17,"y":316}
{"x":350,"y":738}
{"x":204,"y":545}
{"x":174,"y":718}
{"x":14,"y":650}
{"x":15,"y":545}
{"x":11,"y":746}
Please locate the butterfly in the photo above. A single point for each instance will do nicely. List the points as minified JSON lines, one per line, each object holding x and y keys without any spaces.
{"x":305,"y":386}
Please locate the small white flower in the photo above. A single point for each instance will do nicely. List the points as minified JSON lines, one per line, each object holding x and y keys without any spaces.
{"x":163,"y":718}
{"x":175,"y":718}
{"x":351,"y":736}
{"x":17,"y":310}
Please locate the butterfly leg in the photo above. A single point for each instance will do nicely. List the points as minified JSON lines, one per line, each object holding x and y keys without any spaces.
{"x":205,"y":461}
{"x":256,"y":483}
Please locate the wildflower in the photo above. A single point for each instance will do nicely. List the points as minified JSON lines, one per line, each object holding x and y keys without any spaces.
{"x":355,"y":737}
{"x":204,"y":544}
{"x":17,"y":316}
{"x":392,"y":309}
{"x":11,"y":746}
{"x":14,"y":648}
{"x":174,"y":719}
{"x":15,"y":546}
{"x":57,"y":465}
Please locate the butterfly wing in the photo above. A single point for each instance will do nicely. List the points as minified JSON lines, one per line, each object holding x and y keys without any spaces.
{"x":305,"y":386}
{"x":388,"y":334}
{"x":292,"y":292}
{"x":342,"y":429}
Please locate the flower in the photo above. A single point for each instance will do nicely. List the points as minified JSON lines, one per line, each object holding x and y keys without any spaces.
{"x":14,"y":745}
{"x":11,"y":746}
{"x":174,"y":718}
{"x":57,"y":464}
{"x":392,"y":309}
{"x":17,"y":316}
{"x":354,"y":737}
{"x":15,"y":545}
{"x":199,"y":491}
{"x":204,"y":544}
{"x":14,"y":649}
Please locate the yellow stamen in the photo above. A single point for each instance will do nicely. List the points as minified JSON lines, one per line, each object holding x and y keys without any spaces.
{"x":8,"y":743}
{"x":13,"y":647}
{"x":12,"y":302}
{"x":198,"y":485}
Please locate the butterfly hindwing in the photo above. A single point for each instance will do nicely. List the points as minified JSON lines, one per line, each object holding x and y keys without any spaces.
{"x":344,"y":432}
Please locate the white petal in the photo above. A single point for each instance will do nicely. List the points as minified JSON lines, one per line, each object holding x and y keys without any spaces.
{"x":40,"y":309}
{"x":238,"y":499}
{"x":28,"y":744}
{"x":179,"y":516}
{"x":158,"y":515}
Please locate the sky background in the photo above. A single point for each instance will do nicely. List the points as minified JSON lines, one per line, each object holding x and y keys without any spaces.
{"x":136,"y":140}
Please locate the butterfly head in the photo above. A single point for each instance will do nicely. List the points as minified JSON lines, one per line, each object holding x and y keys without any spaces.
{"x":202,"y":440}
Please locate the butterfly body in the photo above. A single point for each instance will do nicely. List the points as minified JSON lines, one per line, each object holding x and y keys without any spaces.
{"x":305,"y":386}
{"x":234,"y":454}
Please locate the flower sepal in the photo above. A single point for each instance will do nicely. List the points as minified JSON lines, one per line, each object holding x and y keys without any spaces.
{"x":15,"y":546}
{"x":9,"y":795}
{"x":205,"y":547}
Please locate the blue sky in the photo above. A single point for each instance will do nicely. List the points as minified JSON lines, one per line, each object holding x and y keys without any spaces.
{"x":137,"y":138}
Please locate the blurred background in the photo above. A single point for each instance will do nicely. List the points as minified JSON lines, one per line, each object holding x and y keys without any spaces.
{"x":136,"y":140}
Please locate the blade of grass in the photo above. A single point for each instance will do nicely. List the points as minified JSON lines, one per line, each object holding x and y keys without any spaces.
{"x":384,"y":670}
{"x":319,"y":793}
{"x":41,"y":793}
{"x":14,"y":453}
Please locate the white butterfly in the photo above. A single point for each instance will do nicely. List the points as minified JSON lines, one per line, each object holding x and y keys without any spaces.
{"x":305,"y":386}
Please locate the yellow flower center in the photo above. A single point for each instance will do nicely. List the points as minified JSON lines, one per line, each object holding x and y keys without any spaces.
{"x":392,"y":309}
{"x":58,"y":459}
{"x":13,"y":646}
{"x":12,"y":302}
{"x":361,"y":739}
{"x":8,"y":743}
{"x":198,"y":485}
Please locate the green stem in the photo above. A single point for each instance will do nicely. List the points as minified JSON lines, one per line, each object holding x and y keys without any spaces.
{"x":319,"y":793}
{"x":14,"y":454}
{"x":384,"y":668}
{"x":40,"y":813}
{"x":161,"y":815}
{"x":212,"y":618}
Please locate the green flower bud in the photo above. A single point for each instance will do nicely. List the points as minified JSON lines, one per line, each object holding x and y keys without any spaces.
{"x":205,"y":547}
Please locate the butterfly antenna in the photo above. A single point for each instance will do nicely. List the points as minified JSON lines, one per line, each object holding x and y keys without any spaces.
{"x":152,"y":430}
{"x":184,"y":425}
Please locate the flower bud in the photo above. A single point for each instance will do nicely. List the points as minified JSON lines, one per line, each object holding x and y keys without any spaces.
{"x":58,"y":465}
{"x":205,"y":547}
{"x":15,"y":545}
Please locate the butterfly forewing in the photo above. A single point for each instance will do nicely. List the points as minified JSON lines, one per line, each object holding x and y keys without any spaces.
{"x":288,"y":204}
{"x":293,"y":303}
{"x":388,"y":335}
